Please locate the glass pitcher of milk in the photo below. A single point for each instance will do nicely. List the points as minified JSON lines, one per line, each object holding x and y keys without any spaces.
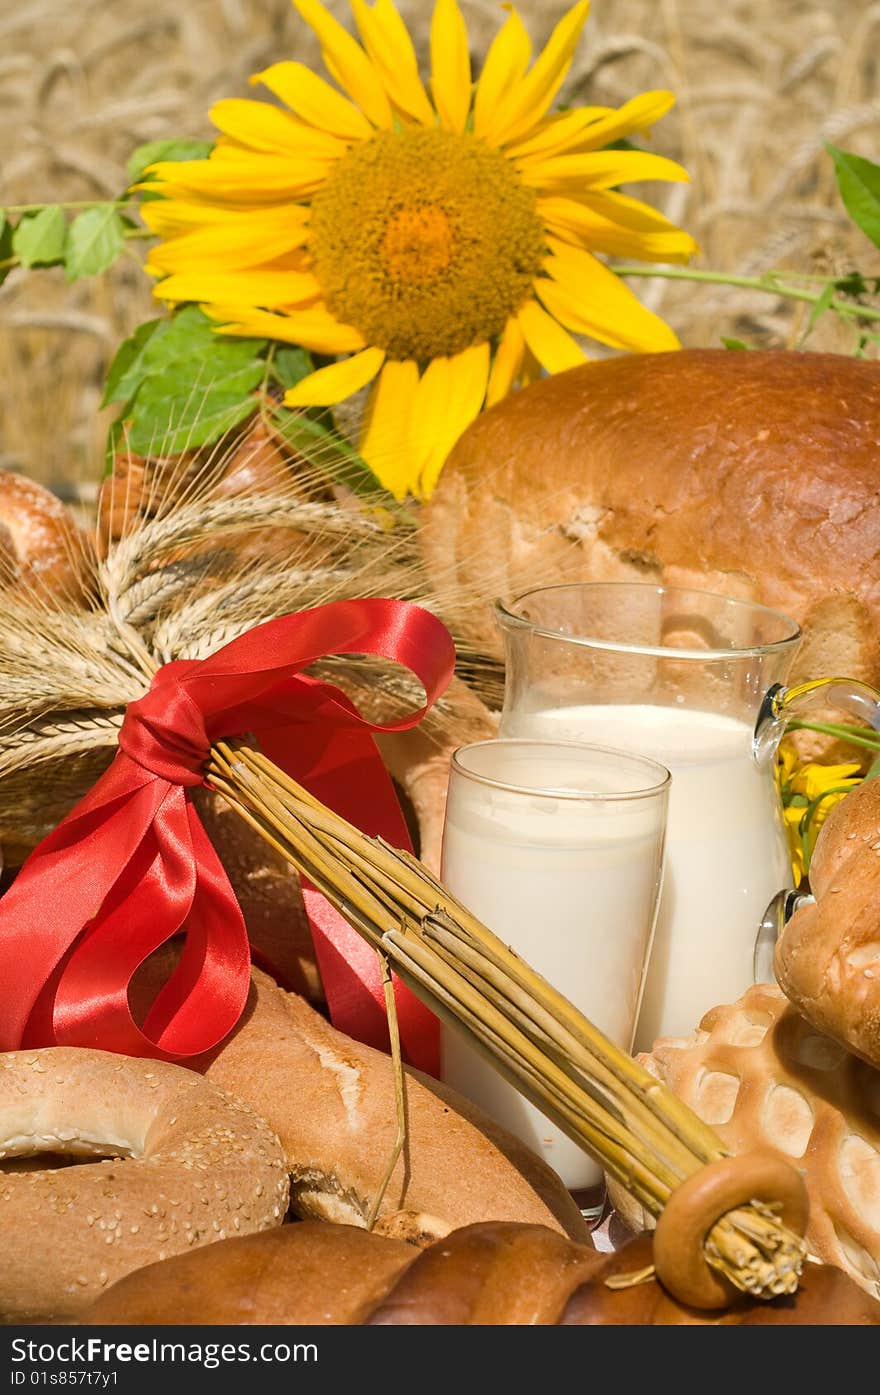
{"x":695,"y":681}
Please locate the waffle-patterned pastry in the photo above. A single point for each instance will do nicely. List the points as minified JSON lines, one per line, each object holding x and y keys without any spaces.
{"x":764,"y":1078}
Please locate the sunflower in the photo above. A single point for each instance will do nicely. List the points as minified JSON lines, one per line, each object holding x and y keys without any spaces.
{"x":809,"y":792}
{"x":437,"y":243}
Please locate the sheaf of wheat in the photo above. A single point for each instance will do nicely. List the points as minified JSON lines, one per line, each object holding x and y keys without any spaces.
{"x":191,"y":568}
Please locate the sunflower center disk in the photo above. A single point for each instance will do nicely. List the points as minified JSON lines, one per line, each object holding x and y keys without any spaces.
{"x":425,"y":241}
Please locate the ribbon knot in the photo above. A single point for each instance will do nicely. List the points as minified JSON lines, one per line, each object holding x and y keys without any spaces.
{"x":131,"y":867}
{"x":164,"y":731}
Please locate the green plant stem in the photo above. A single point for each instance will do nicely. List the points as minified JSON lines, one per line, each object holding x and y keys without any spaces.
{"x":856,"y":735}
{"x":73,"y":203}
{"x":768,"y":284}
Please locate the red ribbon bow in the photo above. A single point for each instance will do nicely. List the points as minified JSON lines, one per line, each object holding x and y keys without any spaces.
{"x":131,"y":866}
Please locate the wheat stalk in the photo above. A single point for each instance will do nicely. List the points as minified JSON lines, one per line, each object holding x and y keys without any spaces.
{"x":57,"y":738}
{"x":600,"y":1096}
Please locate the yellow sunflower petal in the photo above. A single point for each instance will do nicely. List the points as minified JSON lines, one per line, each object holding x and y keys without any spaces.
{"x":580,"y":137}
{"x":230,"y":246}
{"x":588,"y":298}
{"x":327,"y":386}
{"x":391,"y":52}
{"x":171,"y":217}
{"x":507,"y":363}
{"x":635,"y":115}
{"x":268,"y":290}
{"x":314,"y":329}
{"x":315,"y":100}
{"x":523,"y":105}
{"x":449,"y":397}
{"x":556,"y":133}
{"x":450,"y":65}
{"x":600,"y":169}
{"x":257,"y":179}
{"x":347,"y":63}
{"x":617,"y":228}
{"x":506,"y":62}
{"x":384,"y":441}
{"x":551,"y":345}
{"x":267,"y":128}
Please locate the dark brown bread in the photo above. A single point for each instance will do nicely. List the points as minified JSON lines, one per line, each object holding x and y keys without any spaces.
{"x":753,"y":474}
{"x":491,"y":1274}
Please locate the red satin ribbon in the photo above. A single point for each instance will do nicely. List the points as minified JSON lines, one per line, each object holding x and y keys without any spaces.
{"x":131,"y":866}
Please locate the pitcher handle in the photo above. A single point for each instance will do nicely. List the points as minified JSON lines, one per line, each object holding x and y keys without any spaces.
{"x":859,"y":699}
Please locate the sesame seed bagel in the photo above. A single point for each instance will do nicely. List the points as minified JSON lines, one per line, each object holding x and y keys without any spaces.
{"x":182,"y":1164}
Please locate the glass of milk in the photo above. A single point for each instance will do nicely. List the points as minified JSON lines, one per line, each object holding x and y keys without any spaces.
{"x":558,"y":848}
{"x":680,"y":676}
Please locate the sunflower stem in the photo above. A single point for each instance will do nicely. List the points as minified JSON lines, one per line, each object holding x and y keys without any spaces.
{"x":769,"y":284}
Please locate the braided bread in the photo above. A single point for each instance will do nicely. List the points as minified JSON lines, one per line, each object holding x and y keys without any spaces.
{"x":827,"y":958}
{"x":490,"y":1274}
{"x":762,"y":1076}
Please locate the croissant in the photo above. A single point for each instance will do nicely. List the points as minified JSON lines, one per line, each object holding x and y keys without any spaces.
{"x":491,"y":1273}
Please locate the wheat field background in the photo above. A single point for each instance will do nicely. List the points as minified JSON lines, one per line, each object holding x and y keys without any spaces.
{"x":761,"y":84}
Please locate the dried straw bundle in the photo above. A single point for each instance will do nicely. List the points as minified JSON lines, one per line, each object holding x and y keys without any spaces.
{"x":603,"y":1099}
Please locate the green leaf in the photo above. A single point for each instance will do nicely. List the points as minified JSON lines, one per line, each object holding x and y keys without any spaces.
{"x":186,"y":340}
{"x":113,"y":444}
{"x":290,"y":365}
{"x":853,"y":283}
{"x":40,"y":238}
{"x":6,"y":252}
{"x":820,"y":307}
{"x":182,"y":384}
{"x":173,"y":412}
{"x":873,"y":770}
{"x":95,"y":240}
{"x":322,"y":445}
{"x":734,"y":343}
{"x":859,"y":183}
{"x":140,"y":159}
{"x":127,"y":372}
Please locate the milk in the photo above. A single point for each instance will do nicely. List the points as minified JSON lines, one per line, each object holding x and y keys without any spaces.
{"x":572,"y":886}
{"x":726,"y":852}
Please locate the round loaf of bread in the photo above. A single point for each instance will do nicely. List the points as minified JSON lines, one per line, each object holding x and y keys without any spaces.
{"x":331,"y":1101}
{"x":750,"y":474}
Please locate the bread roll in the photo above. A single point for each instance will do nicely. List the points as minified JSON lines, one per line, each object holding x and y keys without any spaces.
{"x":827,"y":957}
{"x":42,"y":549}
{"x":481,"y":1275}
{"x":751,"y":474}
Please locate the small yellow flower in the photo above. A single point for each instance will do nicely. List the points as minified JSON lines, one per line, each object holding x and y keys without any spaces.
{"x":438,"y":242}
{"x":809,"y":792}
